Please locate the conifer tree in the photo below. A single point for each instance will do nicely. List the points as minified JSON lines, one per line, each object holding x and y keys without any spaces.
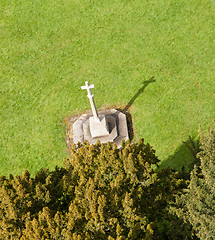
{"x":102,"y":192}
{"x":197,"y":204}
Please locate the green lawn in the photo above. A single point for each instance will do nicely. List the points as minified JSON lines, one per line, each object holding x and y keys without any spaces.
{"x":50,"y":48}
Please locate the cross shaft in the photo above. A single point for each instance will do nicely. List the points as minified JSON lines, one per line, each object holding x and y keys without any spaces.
{"x":92,"y":103}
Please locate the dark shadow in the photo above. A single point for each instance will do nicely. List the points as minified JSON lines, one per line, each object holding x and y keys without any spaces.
{"x":129,"y":122}
{"x":145,"y":84}
{"x":184,"y":157}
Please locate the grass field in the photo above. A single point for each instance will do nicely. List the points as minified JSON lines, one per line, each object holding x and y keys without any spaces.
{"x":50,"y":48}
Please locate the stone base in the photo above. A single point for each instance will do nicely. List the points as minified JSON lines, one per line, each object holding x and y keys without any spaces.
{"x":117,"y":125}
{"x":98,"y":129}
{"x":103,"y":139}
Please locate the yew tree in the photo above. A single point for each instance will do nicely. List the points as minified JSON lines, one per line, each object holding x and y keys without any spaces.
{"x":197,"y":204}
{"x":102,"y":192}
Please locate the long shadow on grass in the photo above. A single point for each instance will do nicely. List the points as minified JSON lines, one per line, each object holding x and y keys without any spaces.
{"x":136,"y":95}
{"x":184,"y":157}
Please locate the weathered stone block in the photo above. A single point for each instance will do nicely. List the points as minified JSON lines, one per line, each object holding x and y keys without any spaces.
{"x":98,"y":129}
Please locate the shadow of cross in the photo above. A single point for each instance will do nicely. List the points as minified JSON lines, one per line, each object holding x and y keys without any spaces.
{"x":136,"y":95}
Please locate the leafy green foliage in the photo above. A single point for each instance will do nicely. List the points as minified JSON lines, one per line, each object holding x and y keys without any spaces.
{"x":197,"y":204}
{"x":23,"y":198}
{"x":101,"y":193}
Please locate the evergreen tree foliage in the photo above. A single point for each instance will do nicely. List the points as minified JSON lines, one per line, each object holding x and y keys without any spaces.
{"x":197,"y":204}
{"x":102,"y":192}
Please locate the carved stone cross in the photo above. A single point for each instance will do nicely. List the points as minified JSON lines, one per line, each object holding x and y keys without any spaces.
{"x":92,"y":103}
{"x":105,"y":125}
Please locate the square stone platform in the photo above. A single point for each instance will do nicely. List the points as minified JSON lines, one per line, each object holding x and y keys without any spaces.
{"x":117,"y":125}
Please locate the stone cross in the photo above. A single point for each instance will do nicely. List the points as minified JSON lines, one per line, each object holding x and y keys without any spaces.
{"x":92,"y":103}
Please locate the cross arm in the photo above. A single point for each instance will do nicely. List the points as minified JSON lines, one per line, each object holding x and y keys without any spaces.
{"x":86,"y":87}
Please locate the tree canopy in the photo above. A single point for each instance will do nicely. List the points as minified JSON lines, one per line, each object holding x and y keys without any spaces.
{"x":102,"y":192}
{"x":197,"y":204}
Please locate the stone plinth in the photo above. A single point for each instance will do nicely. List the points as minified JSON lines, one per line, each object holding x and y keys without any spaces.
{"x":111,"y":121}
{"x":116,"y":124}
{"x":98,"y":128}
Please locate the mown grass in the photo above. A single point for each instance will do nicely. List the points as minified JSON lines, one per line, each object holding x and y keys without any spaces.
{"x":50,"y":48}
